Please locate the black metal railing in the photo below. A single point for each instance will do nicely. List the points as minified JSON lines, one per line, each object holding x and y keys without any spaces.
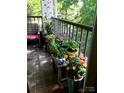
{"x":73,"y":31}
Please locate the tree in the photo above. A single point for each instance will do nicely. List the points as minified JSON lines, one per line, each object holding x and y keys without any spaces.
{"x":80,"y":11}
{"x":33,"y":8}
{"x":88,"y":12}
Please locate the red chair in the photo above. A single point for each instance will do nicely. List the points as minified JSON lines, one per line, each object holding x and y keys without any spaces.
{"x":32,"y":32}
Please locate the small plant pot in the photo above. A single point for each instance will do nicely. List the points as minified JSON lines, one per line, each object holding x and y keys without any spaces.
{"x":72,"y":53}
{"x":60,"y":61}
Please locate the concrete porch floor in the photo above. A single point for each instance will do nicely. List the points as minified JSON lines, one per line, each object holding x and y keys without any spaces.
{"x":40,"y":76}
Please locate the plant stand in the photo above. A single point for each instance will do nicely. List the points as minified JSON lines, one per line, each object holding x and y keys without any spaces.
{"x":60,"y":72}
{"x":72,"y":84}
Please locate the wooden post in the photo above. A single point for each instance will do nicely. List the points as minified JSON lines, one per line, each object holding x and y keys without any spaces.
{"x":90,"y":84}
{"x":70,"y":86}
{"x":28,"y":91}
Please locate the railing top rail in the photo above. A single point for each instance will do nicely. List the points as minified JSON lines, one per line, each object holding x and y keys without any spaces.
{"x":34,"y":16}
{"x":87,"y":27}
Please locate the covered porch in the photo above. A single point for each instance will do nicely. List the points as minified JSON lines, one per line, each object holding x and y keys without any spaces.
{"x":45,"y":73}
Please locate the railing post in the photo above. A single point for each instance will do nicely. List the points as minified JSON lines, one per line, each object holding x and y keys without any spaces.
{"x":80,"y":43}
{"x":76,"y":34}
{"x":85,"y":45}
{"x":73,"y":32}
{"x":90,"y":84}
{"x":28,"y":90}
{"x":69,"y":32}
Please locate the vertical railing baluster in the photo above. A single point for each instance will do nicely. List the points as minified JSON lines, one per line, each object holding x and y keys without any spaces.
{"x":62,"y":27}
{"x":34,"y":20}
{"x":31,"y":23}
{"x":67,"y":36}
{"x":85,"y":47}
{"x":58,"y":27}
{"x":58,"y":30}
{"x":81,"y":39}
{"x":40,"y":22}
{"x":34,"y":26}
{"x":73,"y":32}
{"x":54,"y":26}
{"x":76,"y":33}
{"x":29,"y":20}
{"x":37,"y":20}
{"x":69,"y":32}
{"x":66,"y":31}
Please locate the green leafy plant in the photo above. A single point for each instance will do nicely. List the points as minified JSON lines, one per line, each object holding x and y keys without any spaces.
{"x":75,"y":71}
{"x":70,"y":44}
{"x":51,"y":38}
{"x":33,"y":8}
{"x":53,"y":49}
{"x":62,"y":52}
{"x":48,"y":27}
{"x":74,"y":60}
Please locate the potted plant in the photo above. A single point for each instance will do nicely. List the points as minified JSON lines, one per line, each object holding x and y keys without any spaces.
{"x":46,"y":31}
{"x":52,"y":48}
{"x":72,"y":47}
{"x":74,"y":69}
{"x":51,"y":38}
{"x":48,"y":27}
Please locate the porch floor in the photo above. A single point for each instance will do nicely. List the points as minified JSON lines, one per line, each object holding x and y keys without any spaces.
{"x":40,"y":76}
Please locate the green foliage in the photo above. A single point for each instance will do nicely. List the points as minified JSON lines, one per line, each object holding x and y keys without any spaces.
{"x":71,"y":44}
{"x":62,"y":52}
{"x":74,"y":70}
{"x":67,"y":9}
{"x":51,"y":38}
{"x":88,"y":12}
{"x":48,"y":26}
{"x":53,"y":49}
{"x":81,"y":69}
{"x":74,"y":59}
{"x":33,"y":8}
{"x":83,"y":12}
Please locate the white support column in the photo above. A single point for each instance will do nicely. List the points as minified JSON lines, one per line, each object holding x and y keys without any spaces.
{"x":47,"y":11}
{"x":47,"y":8}
{"x":55,"y":8}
